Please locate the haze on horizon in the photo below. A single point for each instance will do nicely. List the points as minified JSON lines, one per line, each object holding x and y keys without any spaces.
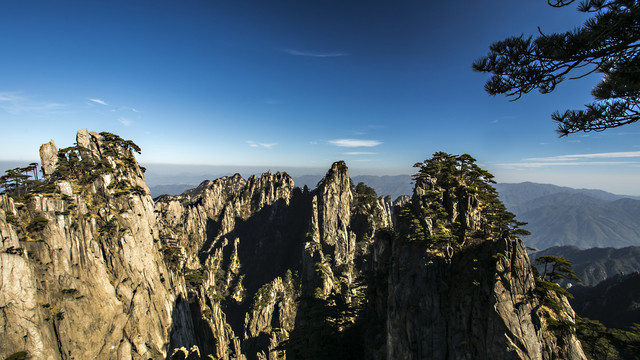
{"x":286,"y":85}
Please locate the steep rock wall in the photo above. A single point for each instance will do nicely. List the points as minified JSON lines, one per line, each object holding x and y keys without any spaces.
{"x":87,"y":280}
{"x":480,"y":304}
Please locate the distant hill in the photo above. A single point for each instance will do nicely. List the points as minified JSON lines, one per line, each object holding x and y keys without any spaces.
{"x":392,"y":185}
{"x":175,"y":189}
{"x":515,"y":194}
{"x":565,"y":216}
{"x":614,"y":302}
{"x":596,"y":264}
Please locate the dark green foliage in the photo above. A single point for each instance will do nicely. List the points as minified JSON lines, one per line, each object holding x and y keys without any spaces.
{"x":109,"y":226}
{"x":549,"y":293}
{"x":409,"y":225}
{"x":20,"y":355}
{"x":38,"y":223}
{"x":14,"y":250}
{"x":543,"y":286}
{"x":330,"y":329}
{"x":208,"y":314}
{"x":76,"y":163}
{"x":560,"y":268}
{"x":69,"y":291}
{"x":138,"y":190}
{"x":364,"y":196}
{"x":449,"y":181}
{"x":172,"y":256}
{"x":11,"y":219}
{"x":193,"y":279}
{"x":21,"y":181}
{"x":600,"y":342}
{"x":608,"y":43}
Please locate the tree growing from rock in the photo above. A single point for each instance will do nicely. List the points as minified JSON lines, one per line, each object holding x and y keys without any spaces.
{"x":445,"y":179}
{"x":556,"y":268}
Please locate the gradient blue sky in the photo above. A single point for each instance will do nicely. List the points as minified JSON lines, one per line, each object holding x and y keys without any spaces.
{"x":286,"y":84}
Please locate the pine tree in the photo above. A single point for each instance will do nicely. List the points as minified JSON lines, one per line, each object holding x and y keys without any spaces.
{"x":608,"y":43}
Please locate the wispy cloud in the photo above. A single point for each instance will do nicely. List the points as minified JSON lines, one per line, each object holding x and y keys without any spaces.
{"x":354,"y":143}
{"x":608,"y":155}
{"x":569,"y":163}
{"x":112,"y":108}
{"x":125,"y":121}
{"x":17,"y":103}
{"x":355,"y":153}
{"x":593,"y":159}
{"x":98,"y":101}
{"x":263,"y":145}
{"x":314,"y":54}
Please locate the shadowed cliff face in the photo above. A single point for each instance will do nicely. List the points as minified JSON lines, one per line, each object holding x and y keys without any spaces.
{"x":92,"y":267}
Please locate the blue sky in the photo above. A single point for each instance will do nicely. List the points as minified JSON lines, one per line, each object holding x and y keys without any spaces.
{"x":288,"y":84}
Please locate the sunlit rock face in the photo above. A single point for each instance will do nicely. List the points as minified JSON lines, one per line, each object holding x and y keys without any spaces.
{"x":92,"y":267}
{"x":89,"y":280}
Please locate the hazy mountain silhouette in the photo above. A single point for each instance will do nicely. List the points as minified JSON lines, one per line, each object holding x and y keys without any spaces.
{"x":580,"y":217}
{"x":596,"y":264}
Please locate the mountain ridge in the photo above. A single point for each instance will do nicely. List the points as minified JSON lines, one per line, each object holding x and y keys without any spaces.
{"x":258,"y":268}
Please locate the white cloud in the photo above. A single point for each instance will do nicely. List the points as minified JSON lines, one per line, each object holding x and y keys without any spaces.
{"x":16,"y":103}
{"x":314,"y":54}
{"x":114,"y":108}
{"x":354,"y":143}
{"x":98,"y":101}
{"x":10,"y":96}
{"x":609,"y":155}
{"x":593,"y":159}
{"x":359,"y":153}
{"x":125,"y":121}
{"x":568,"y":163}
{"x":264,"y":145}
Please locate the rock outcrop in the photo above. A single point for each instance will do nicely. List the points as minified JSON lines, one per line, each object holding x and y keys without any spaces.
{"x":82,"y":274}
{"x":92,"y":267}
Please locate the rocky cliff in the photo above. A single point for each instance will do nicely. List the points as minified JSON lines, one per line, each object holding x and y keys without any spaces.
{"x":81,"y":272}
{"x":92,"y":267}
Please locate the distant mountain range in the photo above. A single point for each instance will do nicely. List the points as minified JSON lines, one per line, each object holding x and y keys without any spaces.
{"x":556,"y":215}
{"x":596,"y":264}
{"x":392,"y":185}
{"x":516,"y":196}
{"x":564,"y":216}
